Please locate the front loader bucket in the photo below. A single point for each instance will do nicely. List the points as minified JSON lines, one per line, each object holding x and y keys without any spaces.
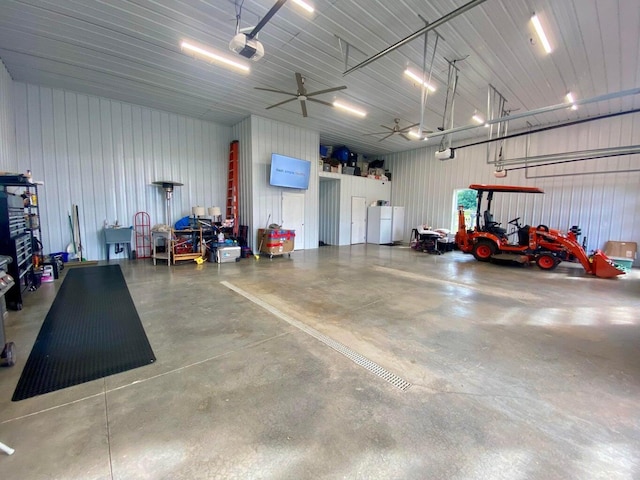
{"x":603,"y":267}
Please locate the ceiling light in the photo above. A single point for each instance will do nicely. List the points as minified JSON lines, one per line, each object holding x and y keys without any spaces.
{"x":304,"y":5}
{"x":477,"y":118}
{"x":416,"y":134}
{"x":415,"y":77}
{"x":349,"y":108}
{"x":541,"y":35}
{"x":208,"y":56}
{"x":570,"y":99}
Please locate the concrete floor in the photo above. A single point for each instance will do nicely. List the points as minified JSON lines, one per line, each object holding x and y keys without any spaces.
{"x":515,"y":373}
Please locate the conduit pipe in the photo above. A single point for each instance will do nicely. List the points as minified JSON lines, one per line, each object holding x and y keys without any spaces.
{"x":538,"y":111}
{"x":413,"y":36}
{"x":550,"y":127}
{"x":572,"y":156}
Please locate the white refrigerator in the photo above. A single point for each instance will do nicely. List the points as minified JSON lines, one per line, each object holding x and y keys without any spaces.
{"x":379,"y":225}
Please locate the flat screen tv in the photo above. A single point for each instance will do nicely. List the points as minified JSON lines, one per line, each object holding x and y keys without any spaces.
{"x":289,"y":172}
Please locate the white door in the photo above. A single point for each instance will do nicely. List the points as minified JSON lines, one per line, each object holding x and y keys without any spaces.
{"x":293,"y":216}
{"x":358,"y":220}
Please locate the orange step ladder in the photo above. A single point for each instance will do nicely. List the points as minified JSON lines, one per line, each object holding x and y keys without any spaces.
{"x":232,"y":185}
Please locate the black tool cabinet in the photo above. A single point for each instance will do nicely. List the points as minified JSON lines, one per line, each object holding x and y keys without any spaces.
{"x":19,"y":233}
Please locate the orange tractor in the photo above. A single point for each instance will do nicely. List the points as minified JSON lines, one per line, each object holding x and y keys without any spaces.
{"x":542,"y":245}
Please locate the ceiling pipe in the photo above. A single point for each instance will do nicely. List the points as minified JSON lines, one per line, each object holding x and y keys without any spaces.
{"x":574,"y":174}
{"x":551,"y":108}
{"x":566,"y":157}
{"x":550,"y":127}
{"x":413,"y":36}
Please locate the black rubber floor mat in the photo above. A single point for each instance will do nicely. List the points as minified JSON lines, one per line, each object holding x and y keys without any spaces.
{"x":91,"y":331}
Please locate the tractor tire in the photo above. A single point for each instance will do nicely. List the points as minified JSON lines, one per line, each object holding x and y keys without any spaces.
{"x":483,"y":250}
{"x":547,"y":261}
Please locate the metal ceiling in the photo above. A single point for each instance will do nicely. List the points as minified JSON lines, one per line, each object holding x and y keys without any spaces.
{"x":130,"y":51}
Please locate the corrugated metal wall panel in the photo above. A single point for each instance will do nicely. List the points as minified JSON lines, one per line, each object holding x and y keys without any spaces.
{"x":605,"y":206}
{"x":267,"y":137}
{"x":103,"y":155}
{"x":8,"y":157}
{"x":343,"y":188}
{"x":329,"y":218}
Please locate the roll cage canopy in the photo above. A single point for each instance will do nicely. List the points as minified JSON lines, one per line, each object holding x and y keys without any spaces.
{"x":490,"y":189}
{"x":503,"y":188}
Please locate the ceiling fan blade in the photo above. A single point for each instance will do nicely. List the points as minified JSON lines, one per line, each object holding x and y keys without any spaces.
{"x":409,"y":127}
{"x":266,"y":18}
{"x":300,"y":83}
{"x":384,"y":138}
{"x":320,"y":92}
{"x":376,"y":133}
{"x":303,"y":104}
{"x":282,"y":103}
{"x":405,"y":137}
{"x":274,"y":90}
{"x":388,"y":128}
{"x":320,"y":101}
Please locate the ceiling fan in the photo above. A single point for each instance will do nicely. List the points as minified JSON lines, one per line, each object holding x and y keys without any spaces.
{"x":302,"y":95}
{"x":403,"y":132}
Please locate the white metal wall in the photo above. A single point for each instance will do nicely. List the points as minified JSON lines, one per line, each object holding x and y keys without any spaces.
{"x":267,"y":137}
{"x":605,"y":206}
{"x":352,"y":186}
{"x":8,"y":157}
{"x":348,"y":186}
{"x":103,"y":155}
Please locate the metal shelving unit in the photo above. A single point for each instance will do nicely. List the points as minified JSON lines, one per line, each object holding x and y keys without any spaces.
{"x":20,"y":231}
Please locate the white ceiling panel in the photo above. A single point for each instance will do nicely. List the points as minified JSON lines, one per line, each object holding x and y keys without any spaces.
{"x":130,"y":51}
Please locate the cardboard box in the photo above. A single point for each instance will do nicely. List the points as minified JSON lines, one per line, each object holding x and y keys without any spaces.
{"x":276,"y":242}
{"x":621,"y":249}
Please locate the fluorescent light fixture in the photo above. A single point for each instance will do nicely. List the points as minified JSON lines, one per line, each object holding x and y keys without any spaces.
{"x":417,"y":78}
{"x":208,"y":56}
{"x":304,"y":5}
{"x":349,"y":108}
{"x":570,"y":99}
{"x":541,"y":35}
{"x":477,"y":118}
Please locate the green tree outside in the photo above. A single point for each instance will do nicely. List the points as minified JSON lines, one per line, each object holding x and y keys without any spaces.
{"x":468,"y":199}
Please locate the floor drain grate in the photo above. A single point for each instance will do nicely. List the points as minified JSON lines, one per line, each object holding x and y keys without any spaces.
{"x":355,"y":357}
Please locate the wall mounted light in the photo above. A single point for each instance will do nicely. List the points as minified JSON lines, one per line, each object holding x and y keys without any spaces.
{"x":212,"y":57}
{"x":416,"y":77}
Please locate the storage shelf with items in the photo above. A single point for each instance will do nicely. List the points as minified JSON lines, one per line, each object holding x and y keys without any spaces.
{"x":20,"y":235}
{"x":187,"y":244}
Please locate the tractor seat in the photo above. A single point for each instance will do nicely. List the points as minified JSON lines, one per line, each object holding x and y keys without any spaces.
{"x":491,"y":226}
{"x":523,"y":236}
